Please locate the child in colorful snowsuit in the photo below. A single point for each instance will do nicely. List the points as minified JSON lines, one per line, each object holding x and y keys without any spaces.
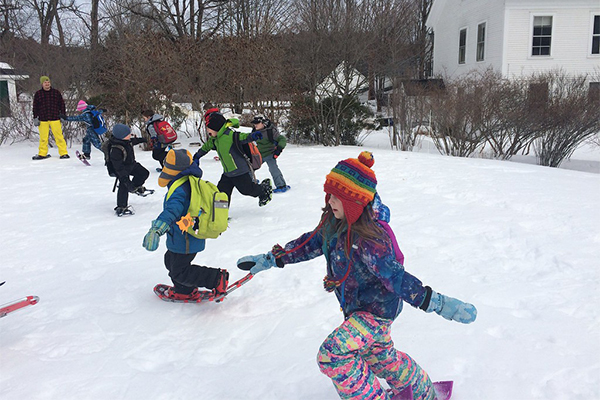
{"x":122,"y":158}
{"x":91,"y":137}
{"x":236,"y":170}
{"x":182,"y":247}
{"x":159,"y":150}
{"x":365,"y":270}
{"x":270,"y":146}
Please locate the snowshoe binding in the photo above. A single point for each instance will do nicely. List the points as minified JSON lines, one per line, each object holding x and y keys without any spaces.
{"x":267,"y":195}
{"x":142,"y":191}
{"x":121,"y":211}
{"x":83,"y":158}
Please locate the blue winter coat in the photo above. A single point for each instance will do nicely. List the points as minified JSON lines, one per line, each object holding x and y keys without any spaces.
{"x":86,"y":117}
{"x":176,"y":207}
{"x":377,"y":282}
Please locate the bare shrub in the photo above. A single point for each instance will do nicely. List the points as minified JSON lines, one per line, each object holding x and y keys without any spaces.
{"x":567,"y":118}
{"x":456,"y":118}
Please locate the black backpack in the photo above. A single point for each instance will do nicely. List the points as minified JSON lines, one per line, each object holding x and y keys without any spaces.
{"x":106,"y":148}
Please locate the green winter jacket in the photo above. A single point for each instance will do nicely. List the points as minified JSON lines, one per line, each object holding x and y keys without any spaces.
{"x":271,"y":138}
{"x":232,"y":160}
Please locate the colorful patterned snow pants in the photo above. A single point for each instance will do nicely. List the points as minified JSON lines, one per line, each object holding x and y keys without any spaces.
{"x":359,"y":351}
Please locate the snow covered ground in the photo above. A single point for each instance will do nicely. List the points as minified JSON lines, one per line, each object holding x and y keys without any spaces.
{"x":520,"y":241}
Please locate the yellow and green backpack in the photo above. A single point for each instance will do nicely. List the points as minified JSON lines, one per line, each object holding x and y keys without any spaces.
{"x":209,"y":209}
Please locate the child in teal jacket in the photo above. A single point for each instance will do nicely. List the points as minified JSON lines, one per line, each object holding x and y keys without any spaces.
{"x":182,"y":247}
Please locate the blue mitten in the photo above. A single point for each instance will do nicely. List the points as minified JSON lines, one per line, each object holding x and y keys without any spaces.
{"x":152,"y":238}
{"x":197,"y":157}
{"x":452,"y":309}
{"x":256,"y":135}
{"x":257,"y":263}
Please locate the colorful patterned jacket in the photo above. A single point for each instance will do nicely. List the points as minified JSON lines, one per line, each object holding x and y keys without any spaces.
{"x":377,"y":282}
{"x":85,"y":117}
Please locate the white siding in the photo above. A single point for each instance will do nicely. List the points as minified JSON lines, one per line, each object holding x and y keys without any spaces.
{"x":570,"y":49}
{"x":508,"y":37}
{"x":457,"y":15}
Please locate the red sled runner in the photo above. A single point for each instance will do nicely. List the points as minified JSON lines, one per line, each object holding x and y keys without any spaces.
{"x":205,"y":295}
{"x":17,"y":305}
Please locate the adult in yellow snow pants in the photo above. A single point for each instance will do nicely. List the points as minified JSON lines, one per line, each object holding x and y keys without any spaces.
{"x":56,"y":127}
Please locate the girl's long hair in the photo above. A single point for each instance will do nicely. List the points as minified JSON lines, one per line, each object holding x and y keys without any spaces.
{"x":365,"y":229}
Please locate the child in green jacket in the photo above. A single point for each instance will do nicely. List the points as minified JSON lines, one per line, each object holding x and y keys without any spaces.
{"x":236,"y":170}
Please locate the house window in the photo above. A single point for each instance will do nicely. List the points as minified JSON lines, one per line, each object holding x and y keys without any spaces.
{"x":594,"y":92}
{"x":542,"y":35}
{"x":537,"y":98}
{"x":481,"y":41}
{"x":596,"y":35}
{"x":462,"y":46}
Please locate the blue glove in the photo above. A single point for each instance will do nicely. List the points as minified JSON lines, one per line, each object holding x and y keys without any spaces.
{"x":152,"y":238}
{"x":36,"y":121}
{"x":452,"y":309}
{"x":197,"y":157}
{"x":256,"y":135}
{"x":257,"y":263}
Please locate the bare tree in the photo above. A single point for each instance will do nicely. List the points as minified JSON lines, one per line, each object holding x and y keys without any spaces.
{"x":177,"y":19}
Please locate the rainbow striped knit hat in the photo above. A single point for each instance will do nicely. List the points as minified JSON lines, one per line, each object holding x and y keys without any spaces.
{"x":353,"y":182}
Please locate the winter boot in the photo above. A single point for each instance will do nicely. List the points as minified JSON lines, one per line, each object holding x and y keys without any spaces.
{"x":65,"y":156}
{"x":267,"y":194}
{"x":222,"y":283}
{"x":87,"y":156}
{"x":281,"y":189}
{"x":38,"y":157}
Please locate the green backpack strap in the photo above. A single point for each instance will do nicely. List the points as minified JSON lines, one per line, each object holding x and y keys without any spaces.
{"x":176,"y":184}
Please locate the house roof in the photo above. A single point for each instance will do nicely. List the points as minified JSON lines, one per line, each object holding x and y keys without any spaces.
{"x":6,"y":71}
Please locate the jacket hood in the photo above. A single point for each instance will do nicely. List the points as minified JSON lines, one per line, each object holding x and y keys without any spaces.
{"x":154,"y":118}
{"x":193,"y":170}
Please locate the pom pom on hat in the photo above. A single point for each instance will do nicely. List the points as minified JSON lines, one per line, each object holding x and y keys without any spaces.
{"x":121,"y":131}
{"x":354,"y":183}
{"x":175,"y":162}
{"x":366,"y":157}
{"x":43,"y":79}
{"x":82,"y":105}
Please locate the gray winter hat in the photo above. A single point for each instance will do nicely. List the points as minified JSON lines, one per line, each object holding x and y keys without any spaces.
{"x":121,"y":131}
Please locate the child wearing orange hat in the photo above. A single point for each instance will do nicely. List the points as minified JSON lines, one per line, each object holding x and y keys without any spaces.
{"x":181,"y":247}
{"x":365,"y":270}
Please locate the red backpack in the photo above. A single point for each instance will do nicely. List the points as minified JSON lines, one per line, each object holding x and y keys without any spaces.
{"x":165,"y":132}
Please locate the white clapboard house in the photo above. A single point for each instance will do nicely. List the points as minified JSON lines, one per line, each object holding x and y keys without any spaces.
{"x":516,"y":37}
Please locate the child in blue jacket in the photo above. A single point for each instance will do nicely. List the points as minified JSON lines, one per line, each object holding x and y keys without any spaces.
{"x":364,"y":269}
{"x":182,"y":247}
{"x":91,"y":137}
